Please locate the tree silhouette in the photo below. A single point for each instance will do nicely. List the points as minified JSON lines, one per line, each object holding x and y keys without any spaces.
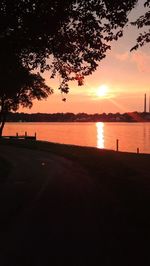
{"x":143,"y":21}
{"x":19,"y":87}
{"x":75,"y":35}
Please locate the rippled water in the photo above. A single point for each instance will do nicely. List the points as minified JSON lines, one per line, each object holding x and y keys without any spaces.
{"x":102,"y":135}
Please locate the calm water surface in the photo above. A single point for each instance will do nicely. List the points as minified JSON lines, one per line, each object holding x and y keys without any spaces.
{"x":102,"y":135}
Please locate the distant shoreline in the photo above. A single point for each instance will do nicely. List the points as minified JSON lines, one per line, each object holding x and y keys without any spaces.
{"x":78,"y":121}
{"x":80,"y":117}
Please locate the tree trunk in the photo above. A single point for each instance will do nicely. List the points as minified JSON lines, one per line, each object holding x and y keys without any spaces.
{"x":3,"y":113}
{"x":2,"y":122}
{"x":2,"y":127}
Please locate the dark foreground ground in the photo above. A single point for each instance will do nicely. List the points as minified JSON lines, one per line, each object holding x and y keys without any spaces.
{"x":65,"y":205}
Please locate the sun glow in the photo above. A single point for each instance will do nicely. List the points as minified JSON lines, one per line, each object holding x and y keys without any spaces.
{"x":102,"y":91}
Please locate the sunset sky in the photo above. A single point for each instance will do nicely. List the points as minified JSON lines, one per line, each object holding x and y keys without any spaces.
{"x":118,"y":85}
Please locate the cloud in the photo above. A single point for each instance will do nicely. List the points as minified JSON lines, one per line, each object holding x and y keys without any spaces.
{"x":123,"y":56}
{"x":140,"y":59}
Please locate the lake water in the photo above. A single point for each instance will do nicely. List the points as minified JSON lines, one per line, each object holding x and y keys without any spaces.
{"x":101,"y":135}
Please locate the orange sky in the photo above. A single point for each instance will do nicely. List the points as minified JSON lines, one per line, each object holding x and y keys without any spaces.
{"x":126,"y":75}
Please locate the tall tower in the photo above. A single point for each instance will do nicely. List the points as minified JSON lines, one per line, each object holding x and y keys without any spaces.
{"x":145,"y":103}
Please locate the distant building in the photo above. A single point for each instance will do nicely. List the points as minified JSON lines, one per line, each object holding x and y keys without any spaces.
{"x":145,"y":103}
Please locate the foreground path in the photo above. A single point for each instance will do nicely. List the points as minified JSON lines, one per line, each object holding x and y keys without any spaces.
{"x":47,"y":208}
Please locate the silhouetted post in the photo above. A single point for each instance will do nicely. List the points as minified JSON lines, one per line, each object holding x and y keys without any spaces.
{"x":16,"y":134}
{"x":25,"y":134}
{"x":117,"y":144}
{"x":138,"y":150}
{"x":35,"y":135}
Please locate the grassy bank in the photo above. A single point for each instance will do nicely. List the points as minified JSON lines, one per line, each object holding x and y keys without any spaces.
{"x":105,"y":166}
{"x":121,"y":175}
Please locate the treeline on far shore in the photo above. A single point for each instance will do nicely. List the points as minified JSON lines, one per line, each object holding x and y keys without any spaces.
{"x":80,"y":117}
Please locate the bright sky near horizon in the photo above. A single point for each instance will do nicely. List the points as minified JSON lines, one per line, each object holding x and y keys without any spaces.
{"x":118,"y":85}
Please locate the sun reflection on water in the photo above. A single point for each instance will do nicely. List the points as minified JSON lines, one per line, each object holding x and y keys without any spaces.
{"x":100,"y":135}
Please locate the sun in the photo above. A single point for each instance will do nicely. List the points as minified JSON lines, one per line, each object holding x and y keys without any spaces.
{"x":102,"y":91}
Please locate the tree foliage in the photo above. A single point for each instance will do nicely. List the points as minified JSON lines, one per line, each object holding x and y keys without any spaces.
{"x":143,"y":22}
{"x":74,"y":34}
{"x":19,"y":87}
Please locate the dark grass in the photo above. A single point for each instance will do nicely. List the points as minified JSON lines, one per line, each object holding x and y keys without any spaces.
{"x":96,"y":161}
{"x":5,"y":168}
{"x":120,"y":204}
{"x":124,"y":173}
